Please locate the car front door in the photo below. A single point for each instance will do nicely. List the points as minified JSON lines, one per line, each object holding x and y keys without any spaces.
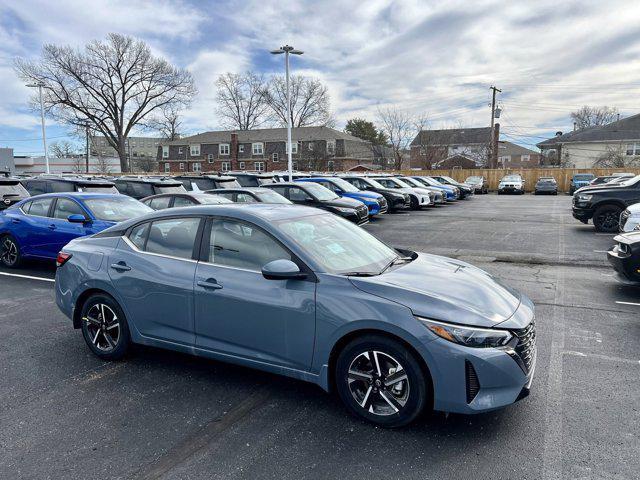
{"x":62,"y":230}
{"x":152,"y":270}
{"x":239,"y":312}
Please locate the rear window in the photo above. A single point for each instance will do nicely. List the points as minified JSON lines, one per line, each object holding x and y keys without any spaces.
{"x":62,"y":186}
{"x":228,"y":184}
{"x":9,"y":189}
{"x":170,"y":189}
{"x":106,"y":188}
{"x":116,"y":209}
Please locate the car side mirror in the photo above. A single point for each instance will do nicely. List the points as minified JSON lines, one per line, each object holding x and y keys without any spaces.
{"x":282,"y":270}
{"x":77,"y":218}
{"x":338,"y":192}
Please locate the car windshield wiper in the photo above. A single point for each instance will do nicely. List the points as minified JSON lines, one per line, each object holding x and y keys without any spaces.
{"x":359,"y":274}
{"x":395,"y":261}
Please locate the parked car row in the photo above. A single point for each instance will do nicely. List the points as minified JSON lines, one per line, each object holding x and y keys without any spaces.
{"x":70,"y":206}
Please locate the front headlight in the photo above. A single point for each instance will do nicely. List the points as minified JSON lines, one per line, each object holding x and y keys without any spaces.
{"x":344,"y":209}
{"x":468,"y":336}
{"x":583,"y":197}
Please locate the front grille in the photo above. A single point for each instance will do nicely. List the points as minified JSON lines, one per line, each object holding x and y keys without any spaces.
{"x":471,"y":378}
{"x":526,"y":347}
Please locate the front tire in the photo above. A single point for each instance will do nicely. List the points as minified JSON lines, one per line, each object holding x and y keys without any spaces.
{"x":380,"y":380}
{"x":104,"y":327}
{"x":415,"y":205}
{"x":10,"y":255}
{"x":607,"y":218}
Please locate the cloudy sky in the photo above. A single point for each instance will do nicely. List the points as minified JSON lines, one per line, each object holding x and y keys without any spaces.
{"x":437,"y":58}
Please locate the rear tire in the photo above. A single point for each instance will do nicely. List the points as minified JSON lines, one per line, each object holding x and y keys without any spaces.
{"x":10,"y":255}
{"x":371,"y":383}
{"x":607,"y":218}
{"x":104,"y":327}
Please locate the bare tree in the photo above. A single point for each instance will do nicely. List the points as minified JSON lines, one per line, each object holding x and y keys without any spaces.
{"x":146,"y":164}
{"x":310,"y":102}
{"x":615,"y":157}
{"x":593,"y":116}
{"x":168,"y":123}
{"x":398,"y":128}
{"x":102,"y":165}
{"x":242,"y":100}
{"x":63,"y":149}
{"x":114,"y":85}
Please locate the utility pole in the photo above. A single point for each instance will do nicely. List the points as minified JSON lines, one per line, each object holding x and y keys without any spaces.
{"x":44,"y":132}
{"x":86,"y":152}
{"x":493,"y":150}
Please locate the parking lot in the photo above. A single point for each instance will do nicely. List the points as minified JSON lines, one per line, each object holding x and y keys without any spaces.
{"x":66,"y":414}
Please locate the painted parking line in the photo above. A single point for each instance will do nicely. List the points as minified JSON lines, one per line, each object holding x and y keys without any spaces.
{"x":600,"y":251}
{"x":628,"y":303}
{"x":28,"y":277}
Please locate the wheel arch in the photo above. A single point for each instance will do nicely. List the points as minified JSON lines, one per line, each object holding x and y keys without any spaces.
{"x":609,"y":202}
{"x":82,"y":298}
{"x":349,"y":336}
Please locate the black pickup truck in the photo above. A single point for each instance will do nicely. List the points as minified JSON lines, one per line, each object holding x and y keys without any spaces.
{"x":605,"y":203}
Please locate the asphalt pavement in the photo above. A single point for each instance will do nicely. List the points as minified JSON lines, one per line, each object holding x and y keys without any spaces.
{"x":66,"y":414}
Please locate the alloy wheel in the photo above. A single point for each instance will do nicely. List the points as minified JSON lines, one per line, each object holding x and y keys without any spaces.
{"x":609,"y":220}
{"x":378,"y":383}
{"x":9,"y":254}
{"x":103,"y":327}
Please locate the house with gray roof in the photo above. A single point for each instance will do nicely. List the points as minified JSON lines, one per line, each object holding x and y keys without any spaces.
{"x":512,"y":155}
{"x":313,"y":148}
{"x":614,"y":144}
{"x":438,"y":148}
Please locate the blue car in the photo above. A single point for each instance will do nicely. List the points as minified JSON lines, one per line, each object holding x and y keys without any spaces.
{"x":452,"y":193}
{"x":580,"y":180}
{"x":299,"y":291}
{"x":375,"y":202}
{"x":40,"y":226}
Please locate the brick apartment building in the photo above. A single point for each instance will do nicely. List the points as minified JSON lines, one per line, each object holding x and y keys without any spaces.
{"x":313,"y":148}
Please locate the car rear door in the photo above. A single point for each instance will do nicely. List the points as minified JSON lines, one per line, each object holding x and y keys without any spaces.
{"x":31,"y":229}
{"x":239,"y":312}
{"x":153,"y":270}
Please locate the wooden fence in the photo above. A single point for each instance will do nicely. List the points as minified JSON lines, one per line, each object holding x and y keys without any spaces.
{"x":530,"y":175}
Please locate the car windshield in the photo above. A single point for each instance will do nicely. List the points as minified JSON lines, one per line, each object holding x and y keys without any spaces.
{"x":211,"y":199}
{"x":373,"y":183}
{"x":13,"y":189}
{"x":116,"y":209}
{"x":344,"y":185}
{"x":412,"y":182}
{"x":512,"y":178}
{"x":318,"y":191}
{"x":582,"y":177}
{"x":228,"y":184}
{"x":432,"y":181}
{"x":631,"y":181}
{"x":269,"y":196}
{"x":473,"y":179}
{"x":400,"y":182}
{"x":171,"y":189}
{"x":338,"y":245}
{"x":98,"y":188}
{"x":546,"y":180}
{"x":448,"y":179}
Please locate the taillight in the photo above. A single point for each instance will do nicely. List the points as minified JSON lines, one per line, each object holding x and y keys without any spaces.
{"x":62,"y":258}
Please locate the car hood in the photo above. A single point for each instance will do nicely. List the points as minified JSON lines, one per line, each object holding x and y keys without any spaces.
{"x":363,"y":194}
{"x":342,"y":202}
{"x":390,"y":191}
{"x":449,"y":290}
{"x":598,"y":189}
{"x":634,"y":209}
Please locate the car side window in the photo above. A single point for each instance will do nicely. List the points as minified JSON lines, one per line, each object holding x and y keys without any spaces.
{"x":282,"y":191}
{"x":183,"y":202}
{"x":160,"y":203}
{"x":242,"y":245}
{"x":245,"y":198}
{"x":65,"y":207}
{"x":298,"y":195}
{"x":174,"y":237}
{"x":40,"y":207}
{"x":122,"y":187}
{"x":138,"y":235}
{"x":140,"y":189}
{"x":227,"y":195}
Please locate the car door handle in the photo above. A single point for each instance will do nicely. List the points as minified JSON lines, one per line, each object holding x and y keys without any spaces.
{"x":15,"y":220}
{"x":52,"y":227}
{"x":209,"y":283}
{"x":120,"y":267}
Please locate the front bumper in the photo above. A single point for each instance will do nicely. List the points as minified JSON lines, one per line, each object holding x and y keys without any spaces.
{"x":625,"y":260}
{"x":583,"y":214}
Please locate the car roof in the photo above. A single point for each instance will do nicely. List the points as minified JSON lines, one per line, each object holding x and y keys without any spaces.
{"x":79,"y":180}
{"x":240,"y":189}
{"x":154,"y":181}
{"x":80,"y":195}
{"x":221,"y":178}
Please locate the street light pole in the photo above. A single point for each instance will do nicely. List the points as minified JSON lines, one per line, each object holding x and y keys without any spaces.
{"x":44,"y":133}
{"x":287,"y":49}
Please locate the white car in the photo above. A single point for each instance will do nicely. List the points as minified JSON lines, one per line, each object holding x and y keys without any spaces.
{"x":511,"y":184}
{"x":419,"y":196}
{"x":436,"y":195}
{"x":630,"y":218}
